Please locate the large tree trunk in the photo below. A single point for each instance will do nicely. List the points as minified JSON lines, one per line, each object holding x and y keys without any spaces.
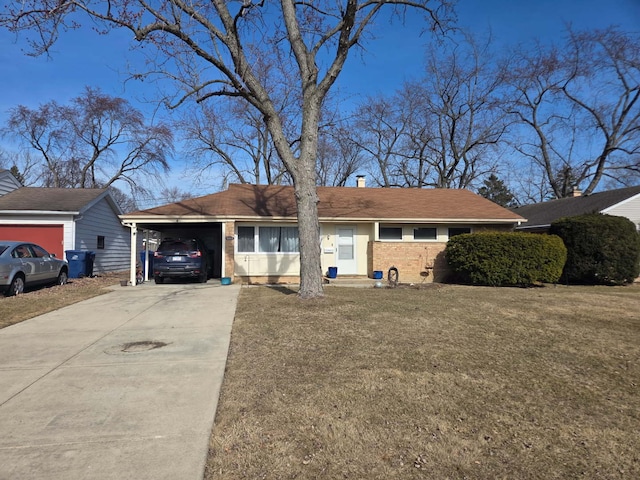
{"x":309,"y":233}
{"x":303,"y":172}
{"x":307,"y":202}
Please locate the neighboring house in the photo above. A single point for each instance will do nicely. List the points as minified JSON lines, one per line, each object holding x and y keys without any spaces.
{"x":252,"y":230}
{"x":623,"y":202}
{"x":61,"y":219}
{"x":8,"y":183}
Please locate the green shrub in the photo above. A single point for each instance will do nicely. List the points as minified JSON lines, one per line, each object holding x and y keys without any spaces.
{"x":506,"y":258}
{"x":601,"y":249}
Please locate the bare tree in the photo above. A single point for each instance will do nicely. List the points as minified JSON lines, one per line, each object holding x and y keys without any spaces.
{"x":93,"y":142}
{"x":126,"y":202}
{"x":213,"y":51}
{"x":22,"y":165}
{"x":231,"y":140}
{"x":579,"y":106}
{"x":230,"y":137}
{"x":379,"y":128}
{"x":339,"y":157}
{"x":459,"y":110}
{"x":40,"y":131}
{"x":604,"y":86}
{"x":441,"y":130}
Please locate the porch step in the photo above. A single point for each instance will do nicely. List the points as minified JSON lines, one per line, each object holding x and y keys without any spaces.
{"x":351,"y":281}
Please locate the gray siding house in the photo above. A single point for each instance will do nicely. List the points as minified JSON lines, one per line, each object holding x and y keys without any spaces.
{"x":8,"y":183}
{"x":62,"y":219}
{"x":622,"y":202}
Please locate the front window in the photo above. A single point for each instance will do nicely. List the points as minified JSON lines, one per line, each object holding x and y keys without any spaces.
{"x":458,"y":231}
{"x":268,"y":240}
{"x":425,"y":233}
{"x":390,"y":233}
{"x":278,"y":239}
{"x":246,"y":239}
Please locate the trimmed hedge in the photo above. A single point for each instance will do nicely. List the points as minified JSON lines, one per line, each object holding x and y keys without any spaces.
{"x":602,"y":249}
{"x":506,"y":258}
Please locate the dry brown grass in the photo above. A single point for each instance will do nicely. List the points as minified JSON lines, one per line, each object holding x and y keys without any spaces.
{"x":443,"y":383}
{"x":37,"y":301}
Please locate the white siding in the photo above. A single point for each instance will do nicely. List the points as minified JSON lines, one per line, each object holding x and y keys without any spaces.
{"x":101,"y":220}
{"x":263,"y":264}
{"x":630,"y":208}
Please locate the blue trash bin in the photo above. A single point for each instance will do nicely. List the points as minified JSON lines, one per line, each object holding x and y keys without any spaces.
{"x":333,"y":272}
{"x":142,"y":255}
{"x":77,"y":263}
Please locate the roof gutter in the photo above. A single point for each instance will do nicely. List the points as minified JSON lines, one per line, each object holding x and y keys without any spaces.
{"x":533,"y":227}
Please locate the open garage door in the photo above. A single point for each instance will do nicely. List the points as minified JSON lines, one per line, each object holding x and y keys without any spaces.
{"x":209,"y":233}
{"x":50,"y":237}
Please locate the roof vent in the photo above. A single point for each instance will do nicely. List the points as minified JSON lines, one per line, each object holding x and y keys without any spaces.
{"x":360,"y":181}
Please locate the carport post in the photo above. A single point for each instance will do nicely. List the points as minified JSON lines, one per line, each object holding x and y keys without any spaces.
{"x":146,"y":257}
{"x":134,"y":249}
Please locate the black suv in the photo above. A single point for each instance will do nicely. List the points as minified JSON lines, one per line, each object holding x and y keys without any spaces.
{"x":177,"y":258}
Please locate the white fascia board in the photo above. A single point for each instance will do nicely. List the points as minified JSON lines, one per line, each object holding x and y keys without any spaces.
{"x":166,"y":219}
{"x":138,"y":219}
{"x":19,"y":213}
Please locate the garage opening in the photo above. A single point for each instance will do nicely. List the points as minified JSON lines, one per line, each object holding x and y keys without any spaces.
{"x":209,"y":233}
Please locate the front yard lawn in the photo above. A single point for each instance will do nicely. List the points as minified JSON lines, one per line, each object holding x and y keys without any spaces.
{"x":447,"y":382}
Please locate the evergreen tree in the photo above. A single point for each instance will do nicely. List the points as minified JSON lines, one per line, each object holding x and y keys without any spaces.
{"x":495,"y":190}
{"x":16,"y":173}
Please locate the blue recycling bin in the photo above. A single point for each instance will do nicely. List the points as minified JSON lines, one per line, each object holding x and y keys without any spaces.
{"x":80,"y":263}
{"x":333,"y":272}
{"x":142,"y":255}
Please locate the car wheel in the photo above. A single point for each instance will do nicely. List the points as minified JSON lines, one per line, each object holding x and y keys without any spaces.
{"x":63,"y":277}
{"x":16,"y":287}
{"x":158,"y":279}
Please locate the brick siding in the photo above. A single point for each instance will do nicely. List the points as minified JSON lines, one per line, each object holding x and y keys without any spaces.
{"x":415,"y":261}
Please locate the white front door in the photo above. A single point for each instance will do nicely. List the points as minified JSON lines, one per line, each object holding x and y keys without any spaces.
{"x":346,"y":251}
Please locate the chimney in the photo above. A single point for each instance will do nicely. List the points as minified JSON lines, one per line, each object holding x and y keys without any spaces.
{"x":576,"y":192}
{"x":360,"y":181}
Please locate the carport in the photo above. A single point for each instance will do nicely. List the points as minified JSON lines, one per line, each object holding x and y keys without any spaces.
{"x":211,"y":233}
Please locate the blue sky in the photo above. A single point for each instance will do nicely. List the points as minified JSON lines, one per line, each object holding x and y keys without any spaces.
{"x":84,"y":58}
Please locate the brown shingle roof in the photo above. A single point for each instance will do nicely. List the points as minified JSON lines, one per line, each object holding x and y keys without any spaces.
{"x":49,"y":199}
{"x":340,"y":203}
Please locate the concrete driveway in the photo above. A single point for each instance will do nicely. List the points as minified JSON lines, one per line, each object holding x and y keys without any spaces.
{"x":121,"y":386}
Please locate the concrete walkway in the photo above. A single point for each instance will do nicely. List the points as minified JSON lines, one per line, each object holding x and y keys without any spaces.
{"x":121,"y":386}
